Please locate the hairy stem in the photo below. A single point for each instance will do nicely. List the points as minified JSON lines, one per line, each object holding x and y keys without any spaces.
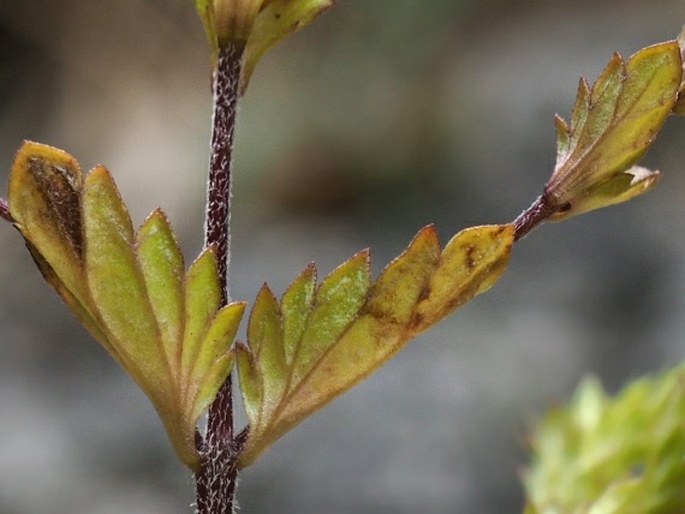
{"x":533,"y":216}
{"x":219,"y":450}
{"x":5,"y":211}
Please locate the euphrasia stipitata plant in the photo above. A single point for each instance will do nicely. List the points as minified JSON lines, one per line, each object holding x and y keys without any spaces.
{"x":164,"y":325}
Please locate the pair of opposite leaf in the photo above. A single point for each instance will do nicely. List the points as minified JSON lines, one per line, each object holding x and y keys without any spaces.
{"x":167,"y":329}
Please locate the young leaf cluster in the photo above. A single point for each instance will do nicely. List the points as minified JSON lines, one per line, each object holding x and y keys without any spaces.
{"x":162,"y":325}
{"x":612,"y":125}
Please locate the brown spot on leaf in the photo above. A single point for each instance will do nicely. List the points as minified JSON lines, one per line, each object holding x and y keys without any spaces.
{"x":470,"y":259}
{"x":425,"y":293}
{"x":62,"y":194}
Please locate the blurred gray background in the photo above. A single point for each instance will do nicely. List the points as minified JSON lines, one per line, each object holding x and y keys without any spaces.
{"x":383,"y":116}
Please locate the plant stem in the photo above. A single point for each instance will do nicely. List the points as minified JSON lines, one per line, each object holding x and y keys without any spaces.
{"x":5,"y":211}
{"x":533,"y":216}
{"x":216,"y":478}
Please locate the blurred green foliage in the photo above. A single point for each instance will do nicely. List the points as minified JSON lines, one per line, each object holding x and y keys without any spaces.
{"x":620,"y":455}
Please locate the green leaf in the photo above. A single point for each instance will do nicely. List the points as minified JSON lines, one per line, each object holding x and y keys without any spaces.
{"x":278,"y":19}
{"x":159,"y":323}
{"x":322,"y":342}
{"x":612,"y":125}
{"x":250,"y":383}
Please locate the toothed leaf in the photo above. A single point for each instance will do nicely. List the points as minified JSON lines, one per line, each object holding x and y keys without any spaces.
{"x":129,"y":291}
{"x":347,"y":328}
{"x":337,"y":302}
{"x":470,"y":264}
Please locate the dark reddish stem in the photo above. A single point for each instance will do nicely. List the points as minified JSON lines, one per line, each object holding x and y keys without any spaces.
{"x":539,"y":211}
{"x":219,"y":450}
{"x":226,"y":82}
{"x":5,"y":211}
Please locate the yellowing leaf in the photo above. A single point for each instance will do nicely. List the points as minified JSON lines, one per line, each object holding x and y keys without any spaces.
{"x":323,"y":341}
{"x":617,"y":189}
{"x":162,"y":325}
{"x":612,"y":125}
{"x":470,"y":264}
